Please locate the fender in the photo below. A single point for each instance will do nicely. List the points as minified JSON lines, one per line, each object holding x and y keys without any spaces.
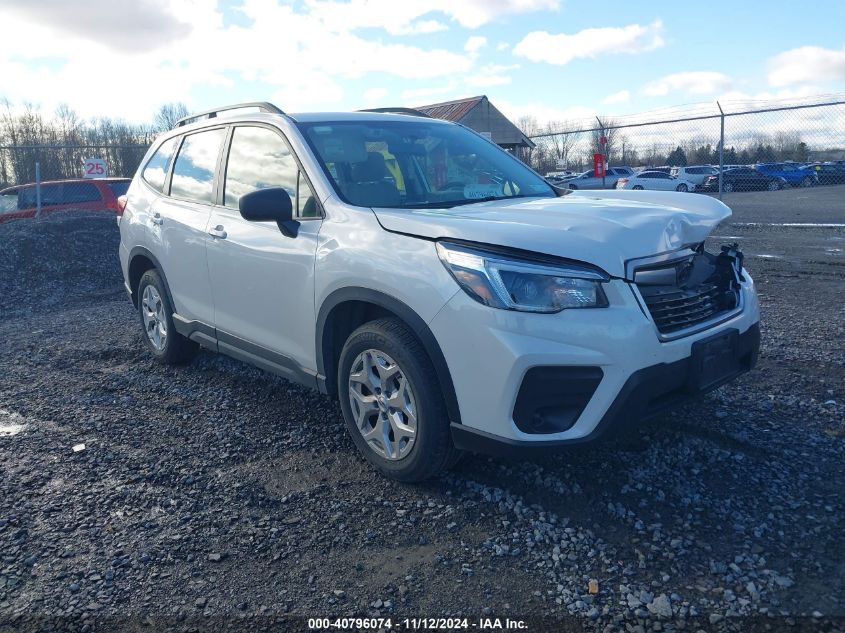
{"x":140,"y":250}
{"x":326,"y":347}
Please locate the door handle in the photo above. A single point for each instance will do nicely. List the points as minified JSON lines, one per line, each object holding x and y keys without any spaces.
{"x":157,"y":219}
{"x":218,"y":232}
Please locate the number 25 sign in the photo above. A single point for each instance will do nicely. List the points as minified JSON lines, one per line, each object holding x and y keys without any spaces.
{"x":95,"y":168}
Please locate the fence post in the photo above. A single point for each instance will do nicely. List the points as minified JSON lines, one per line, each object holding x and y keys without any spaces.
{"x":721,"y":146}
{"x":38,"y":189}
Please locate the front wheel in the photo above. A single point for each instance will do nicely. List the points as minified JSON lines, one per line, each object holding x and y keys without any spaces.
{"x":682,"y":187}
{"x":774,"y":185}
{"x":392,"y":403}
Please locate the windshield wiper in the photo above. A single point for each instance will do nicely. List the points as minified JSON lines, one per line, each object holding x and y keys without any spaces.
{"x":448,"y":204}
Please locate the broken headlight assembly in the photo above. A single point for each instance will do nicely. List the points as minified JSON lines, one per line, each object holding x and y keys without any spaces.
{"x":511,"y":283}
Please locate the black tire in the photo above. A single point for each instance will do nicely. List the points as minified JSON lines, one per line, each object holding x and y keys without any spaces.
{"x":774,"y":185}
{"x":573,"y":187}
{"x":637,"y":187}
{"x":432,"y":451}
{"x":682,"y":188}
{"x":176,"y":349}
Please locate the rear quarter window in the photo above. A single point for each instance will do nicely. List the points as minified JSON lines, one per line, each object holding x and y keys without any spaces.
{"x":119,"y":188}
{"x":9,"y":202}
{"x":155,"y":171}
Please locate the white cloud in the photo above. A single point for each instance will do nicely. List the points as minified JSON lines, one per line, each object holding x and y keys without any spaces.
{"x":617,"y":97}
{"x":122,"y":25}
{"x":502,"y":46}
{"x":580,"y":115}
{"x":805,"y":65}
{"x":474,"y":44}
{"x":427,"y":26}
{"x":415,"y":96}
{"x":560,"y":49}
{"x":490,"y":75}
{"x":696,"y":83}
{"x":375,"y":95}
{"x":395,"y":17}
{"x":290,"y":55}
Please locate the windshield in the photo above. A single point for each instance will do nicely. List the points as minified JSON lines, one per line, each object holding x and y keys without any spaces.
{"x":411,"y":164}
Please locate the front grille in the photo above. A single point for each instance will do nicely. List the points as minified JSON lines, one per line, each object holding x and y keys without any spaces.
{"x":703,"y":288}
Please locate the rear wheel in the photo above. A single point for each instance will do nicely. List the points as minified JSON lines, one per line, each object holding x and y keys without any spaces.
{"x":682,"y":187}
{"x":392,"y":403}
{"x":156,"y":313}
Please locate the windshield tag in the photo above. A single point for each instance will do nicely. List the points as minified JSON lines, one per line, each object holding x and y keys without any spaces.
{"x":472,"y":192}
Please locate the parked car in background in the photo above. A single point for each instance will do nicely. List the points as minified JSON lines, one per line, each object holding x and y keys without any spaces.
{"x":21,"y":201}
{"x":664,"y":168}
{"x":830,"y":173}
{"x":743,"y":179}
{"x":588,"y":181}
{"x":695,"y":174}
{"x":655,"y":181}
{"x":794,"y":174}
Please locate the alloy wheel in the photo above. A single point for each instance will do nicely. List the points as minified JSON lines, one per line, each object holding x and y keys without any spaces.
{"x":155,"y":322}
{"x":383,"y":404}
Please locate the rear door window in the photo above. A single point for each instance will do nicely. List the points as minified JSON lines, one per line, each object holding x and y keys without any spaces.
{"x":51,"y":195}
{"x":193,"y":171}
{"x":80,"y":192}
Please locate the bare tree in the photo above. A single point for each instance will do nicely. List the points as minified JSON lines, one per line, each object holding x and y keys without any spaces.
{"x":562,"y":144}
{"x":167,"y":116}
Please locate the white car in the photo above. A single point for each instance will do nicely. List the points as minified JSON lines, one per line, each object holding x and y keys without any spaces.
{"x":695,"y":174}
{"x":445,"y":293}
{"x":655,"y":181}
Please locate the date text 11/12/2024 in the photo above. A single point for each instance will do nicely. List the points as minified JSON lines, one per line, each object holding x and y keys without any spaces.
{"x":417,"y":624}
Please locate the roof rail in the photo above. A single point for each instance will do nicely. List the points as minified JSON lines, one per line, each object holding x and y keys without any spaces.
{"x":391,"y":110}
{"x":263,"y":106}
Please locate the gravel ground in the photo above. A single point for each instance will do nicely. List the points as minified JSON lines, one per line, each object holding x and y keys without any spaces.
{"x":215,"y":496}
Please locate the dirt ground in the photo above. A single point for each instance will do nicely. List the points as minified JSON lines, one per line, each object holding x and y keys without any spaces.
{"x":215,"y":496}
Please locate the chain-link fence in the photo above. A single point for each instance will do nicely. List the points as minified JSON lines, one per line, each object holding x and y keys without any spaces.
{"x":46,"y":178}
{"x":719,"y":148}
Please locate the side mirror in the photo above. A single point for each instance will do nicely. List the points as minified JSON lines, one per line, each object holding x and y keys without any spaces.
{"x":272,"y":204}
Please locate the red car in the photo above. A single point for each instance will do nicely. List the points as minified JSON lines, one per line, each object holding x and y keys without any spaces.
{"x":62,"y":195}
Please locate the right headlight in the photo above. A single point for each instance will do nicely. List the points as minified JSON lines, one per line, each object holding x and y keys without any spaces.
{"x":509,"y":283}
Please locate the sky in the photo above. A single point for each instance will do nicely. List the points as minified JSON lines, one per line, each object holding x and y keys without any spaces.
{"x":558,"y":60}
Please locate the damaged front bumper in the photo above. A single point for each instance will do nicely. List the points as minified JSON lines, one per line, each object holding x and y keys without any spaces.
{"x":647,"y":393}
{"x":554,"y":380}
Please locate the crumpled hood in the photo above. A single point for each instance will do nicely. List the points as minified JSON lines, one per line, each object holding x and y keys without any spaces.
{"x":604,"y":228}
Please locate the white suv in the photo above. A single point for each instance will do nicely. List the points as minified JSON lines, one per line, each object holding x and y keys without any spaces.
{"x":443,"y":291}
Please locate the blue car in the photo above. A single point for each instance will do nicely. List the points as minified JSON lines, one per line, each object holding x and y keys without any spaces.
{"x":795,"y":175}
